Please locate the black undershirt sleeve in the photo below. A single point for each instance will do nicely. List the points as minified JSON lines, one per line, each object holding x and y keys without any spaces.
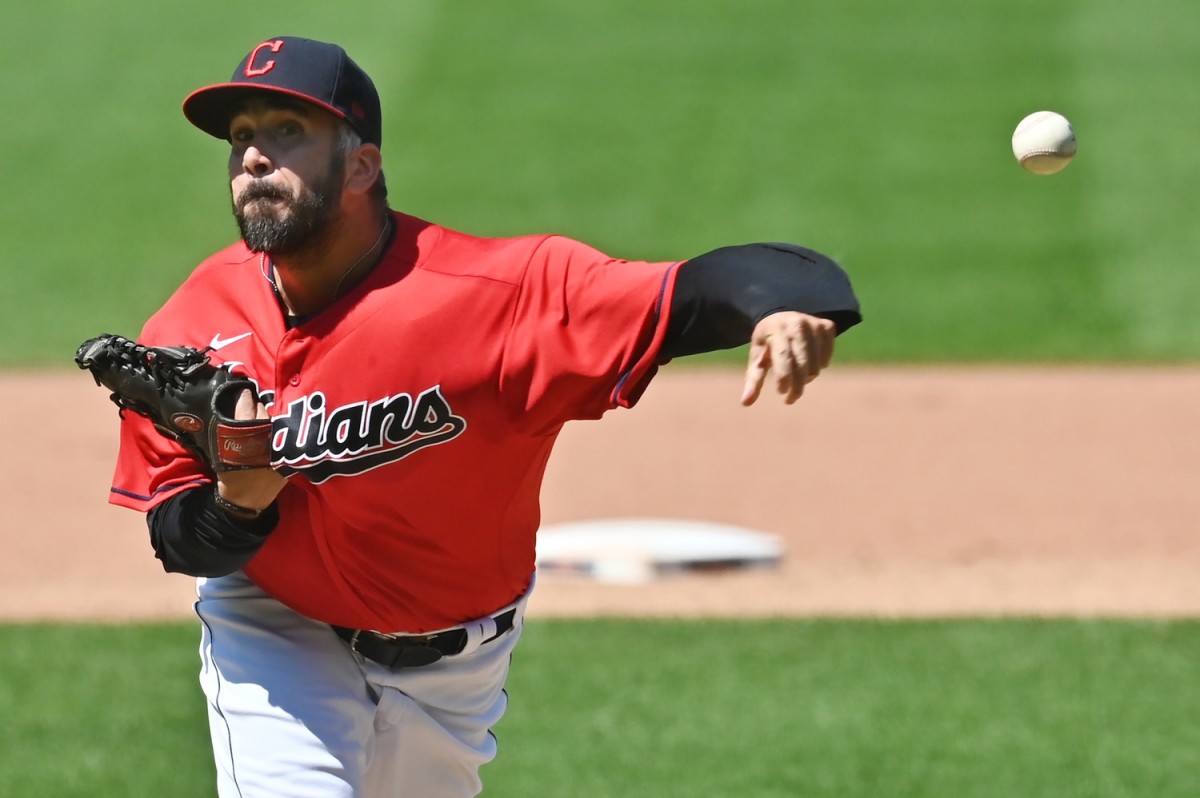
{"x":721,"y":295}
{"x":192,"y":535}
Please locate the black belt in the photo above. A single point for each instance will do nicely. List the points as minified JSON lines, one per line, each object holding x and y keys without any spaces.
{"x":412,"y":651}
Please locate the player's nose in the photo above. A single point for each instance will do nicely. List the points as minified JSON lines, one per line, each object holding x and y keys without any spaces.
{"x":255,"y":162}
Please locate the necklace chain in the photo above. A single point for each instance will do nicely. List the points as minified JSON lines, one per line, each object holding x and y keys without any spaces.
{"x":387,"y":225}
{"x":269,"y":273}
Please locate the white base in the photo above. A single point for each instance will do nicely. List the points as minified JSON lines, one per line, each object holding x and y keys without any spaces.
{"x":631,"y":550}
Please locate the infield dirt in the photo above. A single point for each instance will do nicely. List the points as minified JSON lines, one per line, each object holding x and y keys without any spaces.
{"x":896,"y":491}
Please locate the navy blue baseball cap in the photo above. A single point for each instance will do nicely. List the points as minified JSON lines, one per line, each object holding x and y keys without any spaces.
{"x":308,"y":70}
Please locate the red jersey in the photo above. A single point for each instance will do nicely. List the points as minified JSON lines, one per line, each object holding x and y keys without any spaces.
{"x":414,"y":416}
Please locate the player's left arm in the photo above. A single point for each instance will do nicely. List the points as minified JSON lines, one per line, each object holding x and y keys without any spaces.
{"x":788,"y":302}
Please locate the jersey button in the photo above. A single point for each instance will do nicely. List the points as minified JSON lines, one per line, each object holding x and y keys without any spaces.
{"x":295,"y":380}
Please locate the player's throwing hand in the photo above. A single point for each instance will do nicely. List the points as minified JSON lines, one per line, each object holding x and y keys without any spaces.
{"x":792,"y":348}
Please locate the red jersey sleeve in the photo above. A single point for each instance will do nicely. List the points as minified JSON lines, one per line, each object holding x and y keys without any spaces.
{"x":221,"y":295}
{"x":586,"y":332}
{"x":151,"y":467}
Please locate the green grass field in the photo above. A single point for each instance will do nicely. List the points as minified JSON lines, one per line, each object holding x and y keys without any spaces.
{"x":876,"y":132}
{"x":663,"y":709}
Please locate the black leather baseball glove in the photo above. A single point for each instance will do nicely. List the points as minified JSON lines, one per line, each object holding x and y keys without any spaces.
{"x":186,"y":397}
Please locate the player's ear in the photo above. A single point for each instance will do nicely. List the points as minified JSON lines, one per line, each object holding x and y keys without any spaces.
{"x":362,"y":168}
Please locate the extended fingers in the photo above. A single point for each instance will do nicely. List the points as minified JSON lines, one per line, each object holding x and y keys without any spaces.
{"x":789,"y":360}
{"x":813,"y":345}
{"x":794,"y":348}
{"x":756,"y":372}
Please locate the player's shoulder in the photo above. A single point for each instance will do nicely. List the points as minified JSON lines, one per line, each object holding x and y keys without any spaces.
{"x":503,"y":258}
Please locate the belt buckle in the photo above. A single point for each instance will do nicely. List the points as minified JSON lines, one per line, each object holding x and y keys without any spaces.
{"x":354,"y":638}
{"x":408,"y":650}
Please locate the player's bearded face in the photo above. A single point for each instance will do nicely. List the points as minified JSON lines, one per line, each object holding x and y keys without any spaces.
{"x":277,"y":219}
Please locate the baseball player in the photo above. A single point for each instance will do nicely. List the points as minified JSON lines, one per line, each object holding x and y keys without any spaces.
{"x":360,"y":597}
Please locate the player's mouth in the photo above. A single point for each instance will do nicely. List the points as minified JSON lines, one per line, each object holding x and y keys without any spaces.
{"x":263,"y":206}
{"x":263,"y":197}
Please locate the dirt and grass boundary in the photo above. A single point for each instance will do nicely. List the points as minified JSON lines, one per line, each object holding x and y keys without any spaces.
{"x":897,"y":492}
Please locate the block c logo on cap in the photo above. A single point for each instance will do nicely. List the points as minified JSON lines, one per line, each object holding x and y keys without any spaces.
{"x":253,"y":71}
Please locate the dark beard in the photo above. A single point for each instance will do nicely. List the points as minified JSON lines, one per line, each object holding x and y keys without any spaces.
{"x":304,"y":220}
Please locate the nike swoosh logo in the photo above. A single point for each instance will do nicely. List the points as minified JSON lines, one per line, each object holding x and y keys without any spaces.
{"x":218,"y":343}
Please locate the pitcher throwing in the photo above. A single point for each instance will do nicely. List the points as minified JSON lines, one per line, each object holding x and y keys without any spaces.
{"x":362,"y":514}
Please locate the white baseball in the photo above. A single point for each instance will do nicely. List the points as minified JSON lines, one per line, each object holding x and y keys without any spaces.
{"x":1044,"y":142}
